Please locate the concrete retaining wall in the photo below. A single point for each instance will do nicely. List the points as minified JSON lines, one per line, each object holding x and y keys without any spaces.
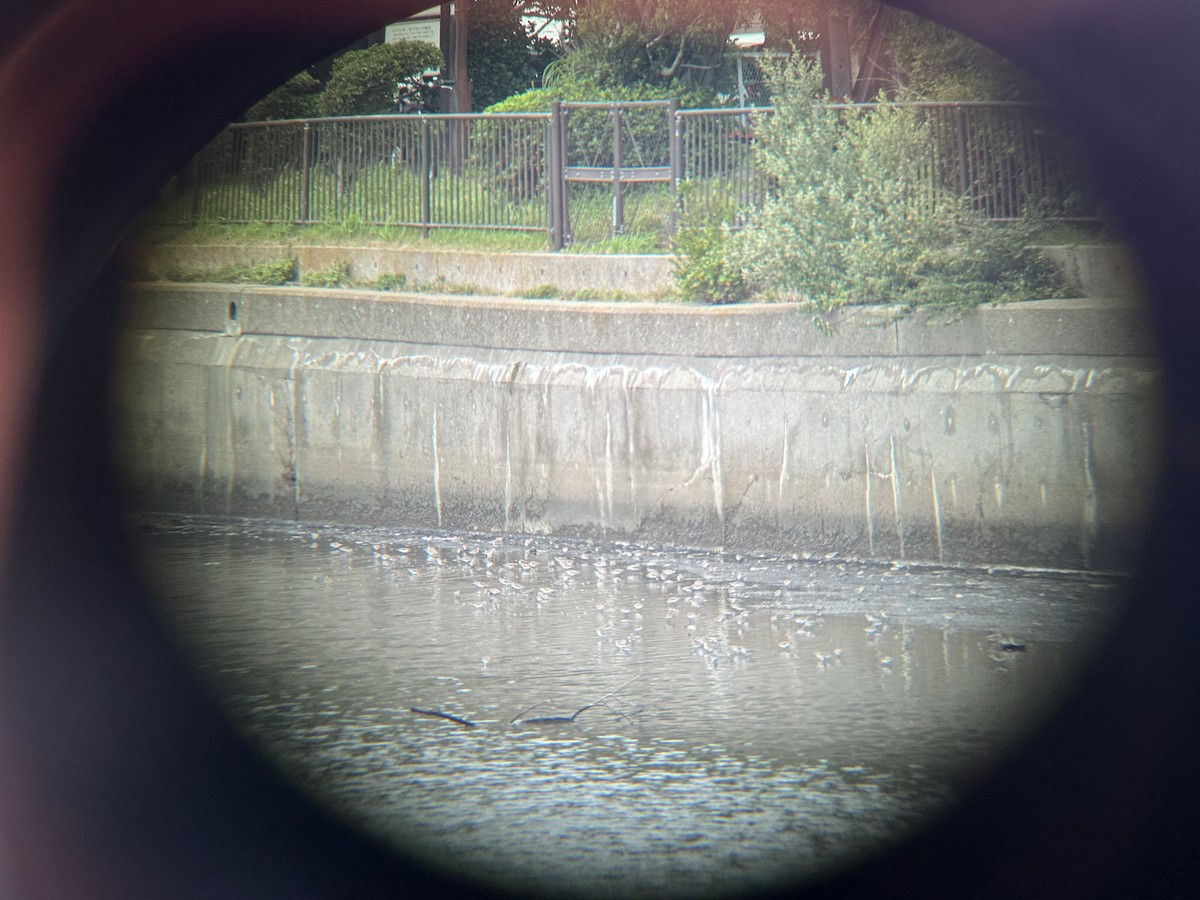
{"x":1094,"y":270}
{"x":1019,"y":435}
{"x":626,"y":275}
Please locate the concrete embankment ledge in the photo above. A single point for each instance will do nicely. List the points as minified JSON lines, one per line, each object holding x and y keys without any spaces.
{"x":629,"y":275}
{"x":1019,"y":435}
{"x":1090,"y":270}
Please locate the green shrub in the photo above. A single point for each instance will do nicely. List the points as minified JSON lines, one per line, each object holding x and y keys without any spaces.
{"x":854,"y":215}
{"x":297,"y":98}
{"x":703,"y":271}
{"x":363,"y":82}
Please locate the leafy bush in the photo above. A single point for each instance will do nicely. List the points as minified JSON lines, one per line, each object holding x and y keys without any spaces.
{"x":297,"y":98}
{"x":854,"y":215}
{"x":703,"y":271}
{"x":363,"y":82}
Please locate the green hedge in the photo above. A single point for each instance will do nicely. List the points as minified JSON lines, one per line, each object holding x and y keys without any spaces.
{"x":363,"y":82}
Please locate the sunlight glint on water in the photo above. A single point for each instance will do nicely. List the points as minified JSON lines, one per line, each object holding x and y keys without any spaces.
{"x":772,"y":718}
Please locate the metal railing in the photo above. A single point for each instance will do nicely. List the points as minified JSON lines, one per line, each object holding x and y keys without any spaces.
{"x":445,"y":171}
{"x":583,"y":171}
{"x":1003,"y":158}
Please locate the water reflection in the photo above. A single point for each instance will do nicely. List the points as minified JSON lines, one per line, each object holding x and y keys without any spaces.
{"x":761,"y":718}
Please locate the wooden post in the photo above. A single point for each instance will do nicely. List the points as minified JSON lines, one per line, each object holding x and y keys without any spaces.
{"x":835,"y":57}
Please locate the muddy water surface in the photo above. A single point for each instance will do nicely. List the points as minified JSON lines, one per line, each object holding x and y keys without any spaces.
{"x":759,"y":719}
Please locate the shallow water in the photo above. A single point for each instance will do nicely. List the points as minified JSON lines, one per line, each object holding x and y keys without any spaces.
{"x":761,"y":719}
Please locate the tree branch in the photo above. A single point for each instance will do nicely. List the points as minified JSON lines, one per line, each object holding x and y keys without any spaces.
{"x":671,"y":70}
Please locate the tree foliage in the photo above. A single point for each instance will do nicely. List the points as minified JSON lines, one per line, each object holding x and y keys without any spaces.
{"x":500,"y":48}
{"x":669,"y":47}
{"x":363,"y":82}
{"x":664,"y":42}
{"x":614,"y":43}
{"x":936,"y":63}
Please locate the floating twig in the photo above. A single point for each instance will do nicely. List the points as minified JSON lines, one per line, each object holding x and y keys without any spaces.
{"x":621,"y":715}
{"x":546,"y":720}
{"x":442,"y":715}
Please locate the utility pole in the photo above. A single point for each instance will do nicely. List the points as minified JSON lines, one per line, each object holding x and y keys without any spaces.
{"x":456,"y":86}
{"x":462,"y":20}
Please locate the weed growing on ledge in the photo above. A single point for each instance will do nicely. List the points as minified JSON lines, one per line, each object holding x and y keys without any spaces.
{"x":275,"y":272}
{"x":336,"y":275}
{"x":440,"y":285}
{"x":388,"y":281}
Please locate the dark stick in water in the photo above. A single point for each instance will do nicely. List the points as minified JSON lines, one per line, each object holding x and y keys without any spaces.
{"x":544,"y":720}
{"x":442,"y":715}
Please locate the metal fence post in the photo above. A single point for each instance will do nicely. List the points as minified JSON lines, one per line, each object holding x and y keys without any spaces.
{"x":675,"y":159}
{"x":564,"y":156}
{"x":426,"y":165}
{"x":305,"y":177}
{"x":964,"y":177}
{"x":556,"y":178}
{"x":618,"y":221}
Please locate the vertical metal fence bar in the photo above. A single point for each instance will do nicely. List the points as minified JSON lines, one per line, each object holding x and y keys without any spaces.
{"x":618,"y":209}
{"x":437,"y":161}
{"x":964,"y":176}
{"x":566,"y":206}
{"x":675,"y":157}
{"x":305,"y":174}
{"x":425,"y":172}
{"x":556,"y":177}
